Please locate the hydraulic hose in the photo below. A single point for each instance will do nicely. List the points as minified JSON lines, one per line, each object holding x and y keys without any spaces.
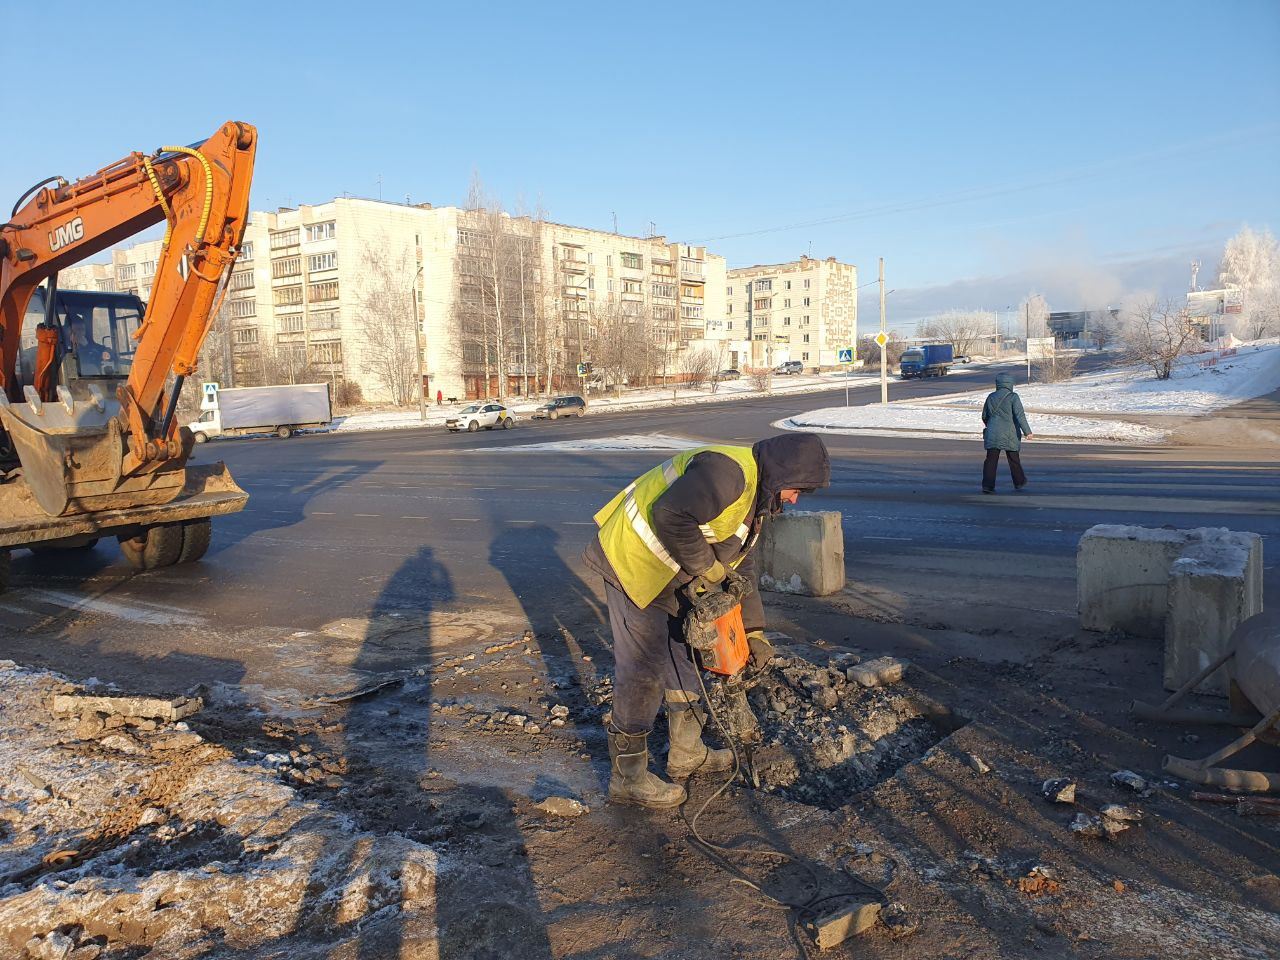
{"x":208,"y":185}
{"x":164,"y":201}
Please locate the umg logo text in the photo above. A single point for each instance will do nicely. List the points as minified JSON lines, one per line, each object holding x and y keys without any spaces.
{"x":66,"y":234}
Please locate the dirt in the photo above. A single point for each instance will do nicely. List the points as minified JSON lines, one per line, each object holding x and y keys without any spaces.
{"x":396,"y":813}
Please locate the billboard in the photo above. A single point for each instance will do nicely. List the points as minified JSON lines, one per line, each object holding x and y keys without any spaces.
{"x":1040,"y":348}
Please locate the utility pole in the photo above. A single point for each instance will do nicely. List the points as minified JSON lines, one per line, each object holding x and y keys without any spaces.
{"x":417,"y":329}
{"x":1027,"y":312}
{"x":884,"y":370}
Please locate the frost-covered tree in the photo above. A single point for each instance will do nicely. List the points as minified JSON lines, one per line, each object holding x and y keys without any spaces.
{"x":961,"y":328}
{"x":1157,"y":333}
{"x":1251,"y":263}
{"x":1033,"y":316}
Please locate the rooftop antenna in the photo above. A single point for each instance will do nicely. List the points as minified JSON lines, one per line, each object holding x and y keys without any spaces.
{"x":615,"y":221}
{"x":1195,"y":272}
{"x":379,"y":186}
{"x":653,"y":229}
{"x":810,"y":253}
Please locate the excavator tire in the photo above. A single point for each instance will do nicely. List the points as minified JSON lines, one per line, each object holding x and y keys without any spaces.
{"x":155,"y":547}
{"x":196,"y":535}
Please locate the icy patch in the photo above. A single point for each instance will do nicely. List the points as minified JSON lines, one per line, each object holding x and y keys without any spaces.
{"x":915,"y":419}
{"x":622,"y":443}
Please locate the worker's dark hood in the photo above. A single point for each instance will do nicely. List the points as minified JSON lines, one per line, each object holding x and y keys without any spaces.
{"x":793,"y":461}
{"x":1004,"y":381}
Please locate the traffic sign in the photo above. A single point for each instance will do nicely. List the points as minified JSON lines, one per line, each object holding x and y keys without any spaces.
{"x":584,"y":369}
{"x":881,"y":339}
{"x":845,"y":355}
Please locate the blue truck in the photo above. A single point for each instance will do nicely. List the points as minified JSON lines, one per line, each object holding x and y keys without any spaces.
{"x":930,"y":360}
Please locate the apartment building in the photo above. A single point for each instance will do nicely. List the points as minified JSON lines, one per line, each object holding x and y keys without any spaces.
{"x":321,"y":290}
{"x":805,"y":310}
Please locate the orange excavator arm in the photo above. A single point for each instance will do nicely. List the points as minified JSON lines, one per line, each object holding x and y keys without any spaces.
{"x":202,"y":193}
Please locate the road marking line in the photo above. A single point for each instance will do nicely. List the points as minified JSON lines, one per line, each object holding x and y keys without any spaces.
{"x":522,"y":521}
{"x":366,"y":514}
{"x":579,"y":523}
{"x":464,"y":519}
{"x":414,"y":518}
{"x":886,"y":538}
{"x":323,"y":513}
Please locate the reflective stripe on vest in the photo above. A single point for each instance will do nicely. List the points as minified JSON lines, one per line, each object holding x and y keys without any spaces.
{"x":642,"y":563}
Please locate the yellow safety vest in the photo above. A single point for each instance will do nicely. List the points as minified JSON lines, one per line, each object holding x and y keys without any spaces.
{"x":638,"y":557}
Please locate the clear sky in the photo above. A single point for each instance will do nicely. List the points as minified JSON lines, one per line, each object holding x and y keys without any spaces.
{"x":984,"y":149}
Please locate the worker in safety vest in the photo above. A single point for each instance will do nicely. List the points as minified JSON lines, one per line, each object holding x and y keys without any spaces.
{"x":697,"y":515}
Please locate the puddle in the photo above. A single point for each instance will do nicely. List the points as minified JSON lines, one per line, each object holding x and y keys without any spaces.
{"x":826,"y":740}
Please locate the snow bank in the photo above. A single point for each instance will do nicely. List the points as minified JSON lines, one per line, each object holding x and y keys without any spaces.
{"x":1199,"y":386}
{"x":623,"y":442}
{"x":916,"y":419}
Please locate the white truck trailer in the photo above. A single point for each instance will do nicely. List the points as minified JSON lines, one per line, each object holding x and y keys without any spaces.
{"x":281,"y":410}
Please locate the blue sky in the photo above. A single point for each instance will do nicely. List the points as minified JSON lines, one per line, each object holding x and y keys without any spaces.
{"x":984,"y":149}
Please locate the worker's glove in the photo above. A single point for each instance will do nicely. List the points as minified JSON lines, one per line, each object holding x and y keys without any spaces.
{"x":761,"y":650}
{"x":703,"y":583}
{"x":715,"y":573}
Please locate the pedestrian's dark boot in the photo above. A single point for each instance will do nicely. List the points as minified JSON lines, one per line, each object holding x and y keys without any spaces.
{"x":688,"y":754}
{"x":630,"y":780}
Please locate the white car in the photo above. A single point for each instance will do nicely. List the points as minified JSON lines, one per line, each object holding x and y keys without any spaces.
{"x":477,"y":415}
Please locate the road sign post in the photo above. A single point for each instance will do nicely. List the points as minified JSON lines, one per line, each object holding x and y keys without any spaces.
{"x":882,"y":341}
{"x":845,"y":356}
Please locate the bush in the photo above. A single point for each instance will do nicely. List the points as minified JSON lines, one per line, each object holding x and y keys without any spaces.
{"x":761,"y":377}
{"x":1061,"y":366}
{"x":347,"y":393}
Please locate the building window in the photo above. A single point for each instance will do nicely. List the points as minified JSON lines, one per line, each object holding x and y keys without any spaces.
{"x":804,"y":321}
{"x":148,"y":268}
{"x":691,"y":311}
{"x":764,"y":285}
{"x":786,"y":302}
{"x":806,"y":338}
{"x":246,"y":250}
{"x":728,"y":308}
{"x":322,"y":291}
{"x":786,"y":321}
{"x":759,"y":336}
{"x":729,"y":325}
{"x":288,"y":267}
{"x":128,"y":271}
{"x":288,"y":296}
{"x":805,"y":355}
{"x":806,"y":284}
{"x":728,"y":291}
{"x":806,"y":299}
{"x":662,"y":268}
{"x":242,"y":280}
{"x":324,"y":320}
{"x":611,"y":286}
{"x":107,"y":285}
{"x":293,"y":323}
{"x":664,"y":313}
{"x":633,"y":286}
{"x":761,"y":303}
{"x":608,"y":260}
{"x":244,"y":308}
{"x":633,"y":261}
{"x":326,"y":351}
{"x":591,"y":283}
{"x":322,"y":261}
{"x":591,"y":257}
{"x":788,"y":284}
{"x":284,"y":238}
{"x":667,"y":290}
{"x":322,"y":231}
{"x":243,"y":335}
{"x":470,"y":238}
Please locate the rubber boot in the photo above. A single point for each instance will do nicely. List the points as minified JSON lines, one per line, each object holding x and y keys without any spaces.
{"x":688,"y":754}
{"x":629,"y":778}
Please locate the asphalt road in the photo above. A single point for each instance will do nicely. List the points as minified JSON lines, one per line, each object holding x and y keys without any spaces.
{"x":467,"y":525}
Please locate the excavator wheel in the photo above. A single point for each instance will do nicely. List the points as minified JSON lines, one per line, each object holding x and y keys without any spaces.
{"x":157,"y":546}
{"x":196,"y":535}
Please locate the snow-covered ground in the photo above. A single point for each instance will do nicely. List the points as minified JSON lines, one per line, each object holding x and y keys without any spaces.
{"x":622,"y":443}
{"x":1199,"y":386}
{"x":915,"y":419}
{"x":1196,"y":387}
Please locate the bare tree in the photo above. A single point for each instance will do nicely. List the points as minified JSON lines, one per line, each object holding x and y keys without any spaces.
{"x":1103,"y":327}
{"x":1061,"y":365}
{"x":961,"y":328}
{"x":1033,"y":316}
{"x":761,"y":378}
{"x":1157,"y":334}
{"x":384,"y":300}
{"x":623,"y":349}
{"x":697,"y":367}
{"x":869,"y":351}
{"x":1251,"y":264}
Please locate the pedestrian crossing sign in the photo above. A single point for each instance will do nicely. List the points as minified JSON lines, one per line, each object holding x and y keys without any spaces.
{"x":881,"y":339}
{"x":846,"y":355}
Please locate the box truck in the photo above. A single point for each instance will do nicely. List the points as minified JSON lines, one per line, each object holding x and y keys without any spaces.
{"x":930,"y":360}
{"x":281,"y":410}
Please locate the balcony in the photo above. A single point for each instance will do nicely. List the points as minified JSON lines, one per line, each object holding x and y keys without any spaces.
{"x":695,"y":270}
{"x":573,"y":266}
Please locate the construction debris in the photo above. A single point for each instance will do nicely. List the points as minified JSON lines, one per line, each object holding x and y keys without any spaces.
{"x":1060,"y":790}
{"x":151,"y":708}
{"x":978,"y":764}
{"x":1127,"y":778}
{"x":877,"y":673}
{"x":840,"y":923}
{"x":562,"y":807}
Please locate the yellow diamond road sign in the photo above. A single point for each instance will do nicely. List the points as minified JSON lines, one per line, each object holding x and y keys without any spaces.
{"x":881,"y":339}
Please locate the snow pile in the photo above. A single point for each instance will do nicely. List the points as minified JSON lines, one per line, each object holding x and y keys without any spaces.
{"x":622,"y":443}
{"x":1200,"y":385}
{"x":917,"y":419}
{"x":117,"y":838}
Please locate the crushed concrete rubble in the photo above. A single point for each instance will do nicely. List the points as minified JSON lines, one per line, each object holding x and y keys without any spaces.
{"x":562,"y":807}
{"x":170,"y":852}
{"x":1131,"y":780}
{"x":827,"y":738}
{"x":1059,"y":790}
{"x":152,"y":708}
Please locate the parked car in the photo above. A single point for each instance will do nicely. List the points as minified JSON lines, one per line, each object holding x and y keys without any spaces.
{"x":789,"y":367}
{"x":729,"y":374}
{"x":961,"y":358}
{"x":477,"y":415}
{"x":561,"y":407}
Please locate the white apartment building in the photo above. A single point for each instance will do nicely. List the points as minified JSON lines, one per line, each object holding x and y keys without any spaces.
{"x":313,"y":282}
{"x":805,"y":310}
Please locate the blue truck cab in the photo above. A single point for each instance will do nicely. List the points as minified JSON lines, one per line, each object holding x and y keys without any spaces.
{"x":929,"y":360}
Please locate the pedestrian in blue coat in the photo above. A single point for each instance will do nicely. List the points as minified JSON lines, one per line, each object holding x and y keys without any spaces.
{"x":1006,"y":426}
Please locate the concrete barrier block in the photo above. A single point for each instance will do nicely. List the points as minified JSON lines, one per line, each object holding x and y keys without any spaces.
{"x":1122,"y":577}
{"x":802,"y":552}
{"x":1213,"y":587}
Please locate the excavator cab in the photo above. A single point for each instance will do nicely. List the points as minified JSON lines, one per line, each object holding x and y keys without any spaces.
{"x":96,"y":336}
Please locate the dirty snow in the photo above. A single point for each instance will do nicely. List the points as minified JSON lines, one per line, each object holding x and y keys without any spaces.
{"x":1196,"y":388}
{"x":621,"y":443}
{"x":916,"y":419}
{"x":147,"y":837}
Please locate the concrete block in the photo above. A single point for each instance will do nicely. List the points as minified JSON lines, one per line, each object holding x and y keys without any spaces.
{"x":149,"y":707}
{"x":877,"y":673}
{"x":802,"y":552}
{"x":1122,"y":577}
{"x":839,"y":924}
{"x":1213,"y":587}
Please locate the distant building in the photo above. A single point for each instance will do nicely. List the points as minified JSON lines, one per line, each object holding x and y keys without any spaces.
{"x":1075,"y":324}
{"x":805,"y":310}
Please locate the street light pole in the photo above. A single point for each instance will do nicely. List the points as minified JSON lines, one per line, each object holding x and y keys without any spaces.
{"x":884,"y":369}
{"x":417,"y":330}
{"x":1027,"y":313}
